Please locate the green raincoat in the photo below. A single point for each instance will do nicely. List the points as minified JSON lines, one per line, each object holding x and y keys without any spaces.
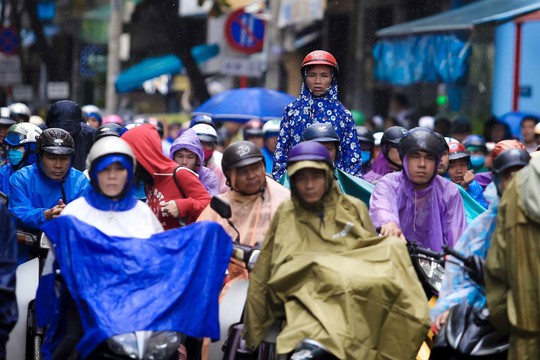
{"x":336,"y":282}
{"x":513,"y":266}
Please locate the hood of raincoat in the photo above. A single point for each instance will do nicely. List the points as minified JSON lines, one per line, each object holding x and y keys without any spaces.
{"x":331,"y":185}
{"x":529,"y":183}
{"x":380,"y":167}
{"x":189,"y":141}
{"x":433,"y":216}
{"x":65,"y":114}
{"x":146,"y":145}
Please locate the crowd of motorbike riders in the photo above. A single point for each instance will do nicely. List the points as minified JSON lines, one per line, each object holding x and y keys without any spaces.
{"x":333,"y":265}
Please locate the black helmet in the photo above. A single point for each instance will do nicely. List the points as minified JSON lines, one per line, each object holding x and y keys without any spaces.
{"x":393,"y":135}
{"x":7,"y":117}
{"x":320,"y":132}
{"x":510,"y":158}
{"x":55,"y":141}
{"x":365,"y":135}
{"x":422,"y":139}
{"x":240,"y":153}
{"x":110,"y":129}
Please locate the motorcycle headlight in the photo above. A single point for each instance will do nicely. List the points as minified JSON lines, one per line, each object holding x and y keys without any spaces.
{"x":162,"y":345}
{"x":124,"y":345}
{"x":433,"y":272}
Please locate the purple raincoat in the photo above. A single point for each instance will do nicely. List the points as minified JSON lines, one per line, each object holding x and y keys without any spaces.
{"x":483,"y":178}
{"x":432,"y":217}
{"x":190,"y":141}
{"x":381,"y":167}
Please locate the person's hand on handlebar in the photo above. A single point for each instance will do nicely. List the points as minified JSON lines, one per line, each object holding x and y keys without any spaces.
{"x":391,"y":229}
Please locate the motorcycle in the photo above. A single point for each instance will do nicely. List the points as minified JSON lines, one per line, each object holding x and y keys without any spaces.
{"x":468,"y":334}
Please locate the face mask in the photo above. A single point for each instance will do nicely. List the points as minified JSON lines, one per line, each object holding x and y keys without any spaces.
{"x":15,"y":156}
{"x":208,"y":154}
{"x":366,"y":157}
{"x":477,"y":161}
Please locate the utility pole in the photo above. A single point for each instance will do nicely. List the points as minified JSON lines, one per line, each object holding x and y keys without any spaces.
{"x":273,"y":49}
{"x":113,"y":58}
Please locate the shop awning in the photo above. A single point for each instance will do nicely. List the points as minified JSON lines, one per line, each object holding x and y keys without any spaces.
{"x":133,"y":77}
{"x":438,"y":48}
{"x":464,"y":18}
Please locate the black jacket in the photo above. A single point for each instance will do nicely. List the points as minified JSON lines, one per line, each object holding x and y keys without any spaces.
{"x":67,"y":115}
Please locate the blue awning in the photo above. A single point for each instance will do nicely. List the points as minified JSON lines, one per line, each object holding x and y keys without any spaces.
{"x":438,"y":48}
{"x":464,"y":18}
{"x":133,"y":77}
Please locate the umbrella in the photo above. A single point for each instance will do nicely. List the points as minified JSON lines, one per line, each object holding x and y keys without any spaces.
{"x":241,"y":105}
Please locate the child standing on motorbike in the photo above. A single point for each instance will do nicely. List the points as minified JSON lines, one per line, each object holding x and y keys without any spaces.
{"x":312,"y":271}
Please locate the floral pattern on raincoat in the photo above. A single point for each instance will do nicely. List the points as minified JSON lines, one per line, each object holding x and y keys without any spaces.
{"x":308,"y":109}
{"x":457,"y":286}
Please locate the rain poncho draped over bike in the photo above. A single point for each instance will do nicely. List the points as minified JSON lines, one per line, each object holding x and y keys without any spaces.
{"x":190,"y":141}
{"x":164,"y":282}
{"x":432,"y":217}
{"x":308,"y":109}
{"x":457,"y":286}
{"x":337,"y":283}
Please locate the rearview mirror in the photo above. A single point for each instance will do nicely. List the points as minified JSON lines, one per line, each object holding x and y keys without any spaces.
{"x":222,"y":207}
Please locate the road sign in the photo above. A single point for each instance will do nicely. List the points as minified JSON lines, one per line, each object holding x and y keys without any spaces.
{"x":10,"y":69}
{"x":9,"y":40}
{"x":242,"y":67}
{"x":58,"y":90}
{"x":245,"y":32}
{"x":23,"y":93}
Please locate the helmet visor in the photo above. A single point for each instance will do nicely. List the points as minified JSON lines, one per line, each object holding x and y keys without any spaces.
{"x":14,"y":138}
{"x":58,"y":150}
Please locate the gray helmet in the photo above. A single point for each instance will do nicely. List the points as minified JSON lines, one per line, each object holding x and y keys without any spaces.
{"x":20,"y":111}
{"x":240,"y":153}
{"x":55,"y":141}
{"x":6,"y":117}
{"x":109,"y":145}
{"x":320,"y":132}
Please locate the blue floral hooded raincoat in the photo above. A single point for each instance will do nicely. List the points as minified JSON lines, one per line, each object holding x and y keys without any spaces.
{"x":308,"y":109}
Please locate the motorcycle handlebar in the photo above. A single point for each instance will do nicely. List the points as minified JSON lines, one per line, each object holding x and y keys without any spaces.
{"x":245,"y":253}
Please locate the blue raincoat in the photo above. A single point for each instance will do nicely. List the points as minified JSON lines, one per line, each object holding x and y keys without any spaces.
{"x":5,"y":173}
{"x":8,"y":255}
{"x":308,"y":109}
{"x":32,"y":193}
{"x":170,"y":281}
{"x":457,"y":286}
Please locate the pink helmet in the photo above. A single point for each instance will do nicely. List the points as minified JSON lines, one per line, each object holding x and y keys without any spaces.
{"x":113,"y":119}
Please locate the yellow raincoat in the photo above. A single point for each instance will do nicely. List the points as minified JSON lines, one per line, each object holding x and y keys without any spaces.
{"x":513,"y":266}
{"x":336,"y":282}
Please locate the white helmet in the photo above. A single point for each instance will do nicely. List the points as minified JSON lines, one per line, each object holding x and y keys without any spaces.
{"x":109,"y":145}
{"x":205,"y":132}
{"x":22,"y":133}
{"x":271,"y":128}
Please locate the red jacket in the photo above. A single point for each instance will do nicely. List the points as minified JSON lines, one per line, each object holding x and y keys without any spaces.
{"x":146,"y":145}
